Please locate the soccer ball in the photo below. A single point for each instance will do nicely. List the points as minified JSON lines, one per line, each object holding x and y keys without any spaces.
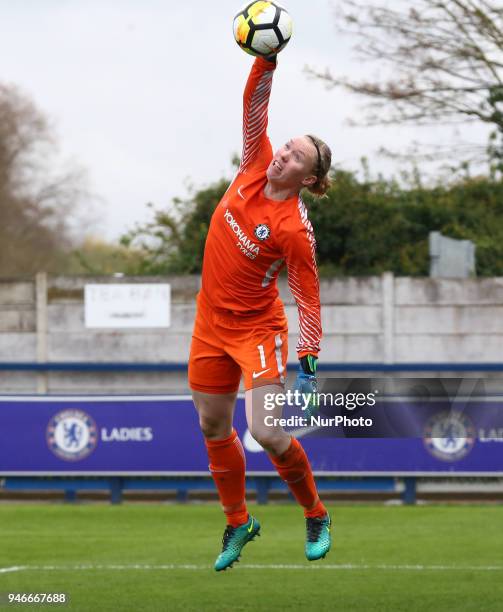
{"x":262,"y":28}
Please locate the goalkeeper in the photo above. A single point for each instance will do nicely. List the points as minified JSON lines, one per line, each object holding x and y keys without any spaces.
{"x":259,"y":226}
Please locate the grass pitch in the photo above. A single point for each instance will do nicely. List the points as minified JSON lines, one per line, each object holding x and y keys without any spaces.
{"x":157,"y":557}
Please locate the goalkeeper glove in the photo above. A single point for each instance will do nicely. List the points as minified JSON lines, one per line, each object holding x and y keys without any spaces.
{"x":305,"y":383}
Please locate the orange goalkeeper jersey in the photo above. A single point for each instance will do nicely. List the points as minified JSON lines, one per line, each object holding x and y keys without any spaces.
{"x":252,"y":237}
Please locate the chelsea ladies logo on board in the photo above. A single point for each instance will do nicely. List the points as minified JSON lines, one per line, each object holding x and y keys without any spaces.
{"x":449,"y":436}
{"x":72,"y":435}
{"x":262,"y":231}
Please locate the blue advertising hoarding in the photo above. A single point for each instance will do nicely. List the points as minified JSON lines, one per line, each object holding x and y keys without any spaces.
{"x":159,"y":435}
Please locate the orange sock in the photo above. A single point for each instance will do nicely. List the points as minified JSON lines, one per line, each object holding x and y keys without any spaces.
{"x":227,"y":466}
{"x":294,"y":468}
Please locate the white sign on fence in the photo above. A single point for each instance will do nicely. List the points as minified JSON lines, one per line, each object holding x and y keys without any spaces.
{"x":127,"y":305}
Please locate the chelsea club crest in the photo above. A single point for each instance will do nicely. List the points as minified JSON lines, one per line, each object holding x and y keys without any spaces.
{"x":262,"y":231}
{"x":449,"y":436}
{"x":72,"y":435}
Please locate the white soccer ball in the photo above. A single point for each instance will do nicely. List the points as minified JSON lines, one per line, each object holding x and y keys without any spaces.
{"x":262,"y":28}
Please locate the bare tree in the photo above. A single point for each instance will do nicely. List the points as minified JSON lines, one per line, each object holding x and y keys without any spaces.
{"x":35,"y":204}
{"x":445,"y":59}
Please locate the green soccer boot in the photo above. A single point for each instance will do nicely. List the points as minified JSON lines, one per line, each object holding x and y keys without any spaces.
{"x":233,"y":541}
{"x":318,"y":538}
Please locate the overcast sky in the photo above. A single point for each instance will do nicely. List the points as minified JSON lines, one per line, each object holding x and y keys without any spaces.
{"x":146,"y":94}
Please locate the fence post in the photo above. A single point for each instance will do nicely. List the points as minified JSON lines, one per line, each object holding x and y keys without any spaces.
{"x":262,"y":483}
{"x":41,"y":313}
{"x":115,"y":490}
{"x":388,"y":316}
{"x":409,"y":492}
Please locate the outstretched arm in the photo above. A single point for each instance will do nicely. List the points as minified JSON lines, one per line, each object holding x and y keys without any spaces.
{"x":299,"y":248}
{"x":257,"y":150}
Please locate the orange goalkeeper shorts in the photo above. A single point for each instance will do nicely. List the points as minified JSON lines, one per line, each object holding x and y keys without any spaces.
{"x":227,"y":345}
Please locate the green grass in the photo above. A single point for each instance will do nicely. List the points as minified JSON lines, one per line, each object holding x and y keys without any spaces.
{"x":67,"y":536}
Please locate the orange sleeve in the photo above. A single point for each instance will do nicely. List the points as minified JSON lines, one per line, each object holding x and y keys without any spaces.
{"x":257,"y":150}
{"x":299,"y":247}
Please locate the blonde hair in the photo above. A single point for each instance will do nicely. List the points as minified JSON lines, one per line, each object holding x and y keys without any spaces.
{"x":321,"y":167}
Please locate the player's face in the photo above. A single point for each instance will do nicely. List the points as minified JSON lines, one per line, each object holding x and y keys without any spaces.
{"x":292,"y":165}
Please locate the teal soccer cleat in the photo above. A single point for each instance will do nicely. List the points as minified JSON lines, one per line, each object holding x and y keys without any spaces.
{"x":233,"y":541}
{"x":318,"y":540}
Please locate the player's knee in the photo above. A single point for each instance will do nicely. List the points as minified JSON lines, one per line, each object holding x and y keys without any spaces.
{"x":209,"y":427}
{"x":268,"y":440}
{"x":214,"y":428}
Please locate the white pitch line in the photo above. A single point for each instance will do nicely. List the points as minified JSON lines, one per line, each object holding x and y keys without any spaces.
{"x":14,"y":568}
{"x":320,"y":566}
